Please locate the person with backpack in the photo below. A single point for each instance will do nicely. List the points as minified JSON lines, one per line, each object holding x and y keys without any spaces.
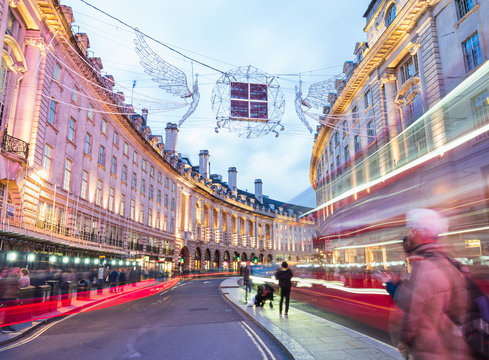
{"x":435,"y":298}
{"x":284,"y":276}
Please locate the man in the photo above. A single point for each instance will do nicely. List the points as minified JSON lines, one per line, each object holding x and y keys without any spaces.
{"x":435,"y":296}
{"x":284,"y":276}
{"x":246,"y":279}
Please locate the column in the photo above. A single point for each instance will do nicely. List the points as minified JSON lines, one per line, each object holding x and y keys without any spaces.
{"x":389,"y":82}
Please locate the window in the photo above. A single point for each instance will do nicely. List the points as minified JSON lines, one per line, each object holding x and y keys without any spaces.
{"x":356,"y":141}
{"x":103,"y":127}
{"x":371,"y":131}
{"x":111,"y":199}
{"x":126,"y":149}
{"x":71,"y":130}
{"x":166,"y":200}
{"x":84,"y":185}
{"x":75,"y":95}
{"x":345,"y":128}
{"x":99,"y":193}
{"x":159,"y":177}
{"x":67,"y":175}
{"x":166,"y":182}
{"x":90,"y":112}
{"x":143,"y":186}
{"x":124,"y":173}
{"x":113,"y":165}
{"x":150,"y":217}
{"x":143,"y":165}
{"x":158,"y":220}
{"x":390,"y":15}
{"x":330,"y":148}
{"x":368,"y":99}
{"x":101,"y":156}
{"x":249,"y":101}
{"x":133,"y":210}
{"x":57,"y":72}
{"x":88,"y":144}
{"x":409,"y":69}
{"x":115,"y":139}
{"x":135,"y":157}
{"x":463,"y":7}
{"x":134,"y":180}
{"x":141,"y":214}
{"x":472,"y":52}
{"x":480,"y":107}
{"x":122,"y":206}
{"x":346,"y":154}
{"x":150,"y":195}
{"x":336,"y":139}
{"x":48,"y":157}
{"x":354,"y":114}
{"x":152,"y":171}
{"x":172,"y":204}
{"x":53,"y":111}
{"x":158,"y":196}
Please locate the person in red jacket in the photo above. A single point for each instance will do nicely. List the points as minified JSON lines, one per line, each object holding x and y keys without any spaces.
{"x":284,"y":276}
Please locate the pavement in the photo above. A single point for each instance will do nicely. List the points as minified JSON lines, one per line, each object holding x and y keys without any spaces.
{"x":96,"y":298}
{"x":306,"y":336}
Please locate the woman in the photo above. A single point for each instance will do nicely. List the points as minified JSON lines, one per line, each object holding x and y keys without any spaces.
{"x":24,"y":280}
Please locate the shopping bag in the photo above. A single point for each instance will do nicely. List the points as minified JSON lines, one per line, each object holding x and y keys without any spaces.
{"x":252,"y":301}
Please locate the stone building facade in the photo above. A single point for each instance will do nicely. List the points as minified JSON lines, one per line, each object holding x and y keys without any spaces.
{"x":82,"y":175}
{"x":417,"y":52}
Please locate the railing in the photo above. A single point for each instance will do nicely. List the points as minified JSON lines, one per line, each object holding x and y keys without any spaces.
{"x":15,"y":146}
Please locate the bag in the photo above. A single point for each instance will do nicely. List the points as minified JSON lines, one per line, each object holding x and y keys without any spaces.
{"x":252,"y":301}
{"x":475,"y":327}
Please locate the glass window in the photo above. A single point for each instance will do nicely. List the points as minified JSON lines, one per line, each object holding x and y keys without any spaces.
{"x":143,"y":165}
{"x":135,"y":157}
{"x":371,"y":131}
{"x":345,"y":128}
{"x":409,"y":69}
{"x":75,"y":95}
{"x":141,"y":213}
{"x":390,"y":15}
{"x":99,"y":193}
{"x":57,"y":72}
{"x":111,"y":199}
{"x":463,"y":7}
{"x":101,"y":156}
{"x":356,"y":141}
{"x":346,"y":154}
{"x":113,"y":165}
{"x":152,"y":171}
{"x":67,"y":175}
{"x":124,"y":173}
{"x":126,"y":149}
{"x":71,"y":130}
{"x":134,"y":180}
{"x":143,"y":186}
{"x":47,"y":160}
{"x":336,"y":138}
{"x":53,"y":111}
{"x":172,"y":204}
{"x":368,"y":99}
{"x":166,"y":200}
{"x":158,"y":196}
{"x":159,"y":176}
{"x":122,"y":206}
{"x":116,"y":138}
{"x":88,"y":144}
{"x":84,"y":185}
{"x":472,"y":52}
{"x":480,"y":106}
{"x":150,"y":195}
{"x":103,"y":127}
{"x":133,"y":210}
{"x":90,"y":112}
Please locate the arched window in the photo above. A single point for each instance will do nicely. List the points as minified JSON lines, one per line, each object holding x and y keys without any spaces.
{"x":390,"y":15}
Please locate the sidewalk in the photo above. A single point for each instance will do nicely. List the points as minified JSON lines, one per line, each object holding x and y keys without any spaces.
{"x":76,"y":305}
{"x":306,"y":336}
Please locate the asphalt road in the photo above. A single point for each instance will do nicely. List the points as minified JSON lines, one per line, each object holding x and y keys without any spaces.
{"x":189,"y":321}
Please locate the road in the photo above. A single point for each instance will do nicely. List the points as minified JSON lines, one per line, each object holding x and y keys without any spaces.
{"x":189,"y":321}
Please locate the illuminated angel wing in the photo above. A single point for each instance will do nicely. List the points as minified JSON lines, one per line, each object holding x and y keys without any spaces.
{"x":298,"y":106}
{"x":317,"y":96}
{"x":170,"y":78}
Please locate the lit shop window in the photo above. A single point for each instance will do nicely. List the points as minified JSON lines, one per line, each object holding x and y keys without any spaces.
{"x":249,"y":101}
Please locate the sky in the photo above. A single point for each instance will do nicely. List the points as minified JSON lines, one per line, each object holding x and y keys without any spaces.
{"x":312,"y":38}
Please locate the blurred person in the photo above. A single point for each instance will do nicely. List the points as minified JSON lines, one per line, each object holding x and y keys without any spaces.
{"x":434,"y":298}
{"x":24,"y":280}
{"x":113,"y":277}
{"x":122,"y":280}
{"x":284,"y":276}
{"x":9,"y":295}
{"x":246,"y":279}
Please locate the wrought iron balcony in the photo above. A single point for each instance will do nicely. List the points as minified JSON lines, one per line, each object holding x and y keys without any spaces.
{"x":15,"y":146}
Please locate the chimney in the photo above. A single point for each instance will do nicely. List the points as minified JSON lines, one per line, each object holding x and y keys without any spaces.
{"x":259,"y":190}
{"x":145,"y":117}
{"x":204,"y":163}
{"x":232,"y":180}
{"x":171,"y":138}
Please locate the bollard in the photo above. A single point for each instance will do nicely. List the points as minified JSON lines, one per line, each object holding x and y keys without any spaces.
{"x":66,"y":293}
{"x":25,"y":307}
{"x":83,"y":290}
{"x":43,"y":295}
{"x":53,"y":300}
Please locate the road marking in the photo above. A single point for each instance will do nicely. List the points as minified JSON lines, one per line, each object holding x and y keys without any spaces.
{"x":253,"y":335}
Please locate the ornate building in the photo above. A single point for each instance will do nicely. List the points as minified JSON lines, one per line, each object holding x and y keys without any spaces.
{"x":388,"y":118}
{"x":82,"y":176}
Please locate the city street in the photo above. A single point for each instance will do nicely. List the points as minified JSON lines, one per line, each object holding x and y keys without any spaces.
{"x":191,"y":320}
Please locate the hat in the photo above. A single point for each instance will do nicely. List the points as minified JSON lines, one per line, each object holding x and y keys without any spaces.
{"x":431,"y":222}
{"x":284,"y":265}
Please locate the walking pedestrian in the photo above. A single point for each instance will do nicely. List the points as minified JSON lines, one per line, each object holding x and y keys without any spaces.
{"x":434,"y":298}
{"x":284,"y":276}
{"x":113,"y":277}
{"x":246,"y":279}
{"x":122,"y":280}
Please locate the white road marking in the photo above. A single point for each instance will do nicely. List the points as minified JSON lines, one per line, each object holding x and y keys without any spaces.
{"x":263,"y":355}
{"x":260,"y":340}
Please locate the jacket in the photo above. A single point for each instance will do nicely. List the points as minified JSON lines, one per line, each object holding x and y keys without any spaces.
{"x":432,"y":300}
{"x":283,"y":277}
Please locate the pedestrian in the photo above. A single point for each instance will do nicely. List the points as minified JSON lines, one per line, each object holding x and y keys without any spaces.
{"x":122,"y":280}
{"x":113,"y":277}
{"x":434,"y":298}
{"x":246,"y":279}
{"x":24,"y":280}
{"x":9,"y":297}
{"x":284,"y":276}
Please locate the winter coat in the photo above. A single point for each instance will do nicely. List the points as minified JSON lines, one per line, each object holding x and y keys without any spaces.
{"x":283,"y":277}
{"x":246,"y":272}
{"x":432,"y":300}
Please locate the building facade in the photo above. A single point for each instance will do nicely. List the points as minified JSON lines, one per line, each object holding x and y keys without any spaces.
{"x":82,"y":176}
{"x":414,"y":89}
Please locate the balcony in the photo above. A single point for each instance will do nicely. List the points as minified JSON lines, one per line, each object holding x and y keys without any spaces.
{"x":15,"y":146}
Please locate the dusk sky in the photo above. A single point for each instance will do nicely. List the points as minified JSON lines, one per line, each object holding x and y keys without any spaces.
{"x":282,"y":38}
